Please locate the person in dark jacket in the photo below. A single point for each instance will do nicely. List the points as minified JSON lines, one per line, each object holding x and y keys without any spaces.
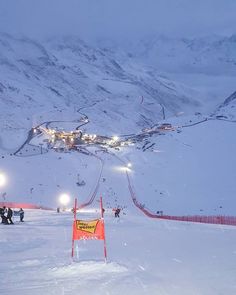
{"x":4,"y":215}
{"x":117,"y":212}
{"x":22,"y":213}
{"x":9,"y":215}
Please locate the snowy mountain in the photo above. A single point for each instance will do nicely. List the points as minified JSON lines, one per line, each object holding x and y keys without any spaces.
{"x":63,"y":83}
{"x":133,"y":101}
{"x":210,"y":55}
{"x":205,"y":64}
{"x":227,"y":108}
{"x":68,"y":75}
{"x":95,"y":121}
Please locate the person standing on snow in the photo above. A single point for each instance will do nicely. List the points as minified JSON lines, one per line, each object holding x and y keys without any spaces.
{"x":9,"y":215}
{"x":4,"y":215}
{"x":22,"y":213}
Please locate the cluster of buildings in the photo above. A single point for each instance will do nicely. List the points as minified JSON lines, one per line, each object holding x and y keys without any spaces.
{"x":71,"y":140}
{"x":66,"y":140}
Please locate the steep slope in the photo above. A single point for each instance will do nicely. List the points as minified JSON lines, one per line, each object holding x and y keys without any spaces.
{"x":227,"y":110}
{"x":207,"y":64}
{"x":211,"y":55}
{"x":42,"y":81}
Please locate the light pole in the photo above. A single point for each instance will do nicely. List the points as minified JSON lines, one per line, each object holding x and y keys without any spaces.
{"x":41,"y":148}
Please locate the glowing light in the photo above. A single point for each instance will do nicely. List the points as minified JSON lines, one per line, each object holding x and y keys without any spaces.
{"x":64,"y":199}
{"x":115,"y":138}
{"x":3,"y":179}
{"x":129,"y":165}
{"x":122,"y":169}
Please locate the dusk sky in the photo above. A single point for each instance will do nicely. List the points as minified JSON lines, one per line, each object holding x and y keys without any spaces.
{"x":118,"y":18}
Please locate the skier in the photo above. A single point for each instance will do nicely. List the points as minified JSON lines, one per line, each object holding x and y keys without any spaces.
{"x":9,"y":216}
{"x":22,"y":213}
{"x":117,"y":212}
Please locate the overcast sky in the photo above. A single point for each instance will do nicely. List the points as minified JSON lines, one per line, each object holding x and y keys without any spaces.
{"x":118,"y":18}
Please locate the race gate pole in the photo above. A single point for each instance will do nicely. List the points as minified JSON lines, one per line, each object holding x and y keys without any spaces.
{"x":73,"y":241}
{"x":102,"y":214}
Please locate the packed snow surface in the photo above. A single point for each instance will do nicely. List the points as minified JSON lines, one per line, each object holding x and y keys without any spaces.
{"x":144,"y":257}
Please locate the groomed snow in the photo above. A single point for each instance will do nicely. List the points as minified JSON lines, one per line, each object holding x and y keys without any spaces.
{"x":144,"y":257}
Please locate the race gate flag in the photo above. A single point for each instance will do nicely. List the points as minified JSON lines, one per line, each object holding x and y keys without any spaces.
{"x":88,"y":230}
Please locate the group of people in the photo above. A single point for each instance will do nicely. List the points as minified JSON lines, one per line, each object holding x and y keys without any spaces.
{"x":7,"y":214}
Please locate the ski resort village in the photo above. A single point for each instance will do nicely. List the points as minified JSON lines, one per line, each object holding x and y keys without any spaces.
{"x":117,"y":147}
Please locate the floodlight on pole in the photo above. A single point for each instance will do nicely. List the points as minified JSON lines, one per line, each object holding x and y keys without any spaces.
{"x":124,"y":169}
{"x":64,"y":199}
{"x":3,"y":179}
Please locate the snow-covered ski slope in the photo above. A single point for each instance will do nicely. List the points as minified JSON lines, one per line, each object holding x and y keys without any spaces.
{"x":186,"y":169}
{"x":65,"y":79}
{"x":189,"y":170}
{"x":144,"y":257}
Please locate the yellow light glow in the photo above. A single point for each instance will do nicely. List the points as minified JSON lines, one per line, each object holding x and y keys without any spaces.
{"x":122,"y":169}
{"x":64,"y":199}
{"x":3,"y":179}
{"x":115,"y":138}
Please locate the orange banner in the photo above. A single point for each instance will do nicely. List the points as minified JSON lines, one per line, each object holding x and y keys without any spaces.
{"x":88,"y":230}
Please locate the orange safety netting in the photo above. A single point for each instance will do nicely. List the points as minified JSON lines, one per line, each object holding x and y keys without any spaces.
{"x":23,"y":205}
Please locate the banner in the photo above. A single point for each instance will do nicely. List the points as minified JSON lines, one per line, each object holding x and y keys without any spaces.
{"x":88,"y":229}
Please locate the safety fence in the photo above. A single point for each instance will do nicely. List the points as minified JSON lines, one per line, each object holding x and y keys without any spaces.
{"x":219,"y":219}
{"x":23,"y":205}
